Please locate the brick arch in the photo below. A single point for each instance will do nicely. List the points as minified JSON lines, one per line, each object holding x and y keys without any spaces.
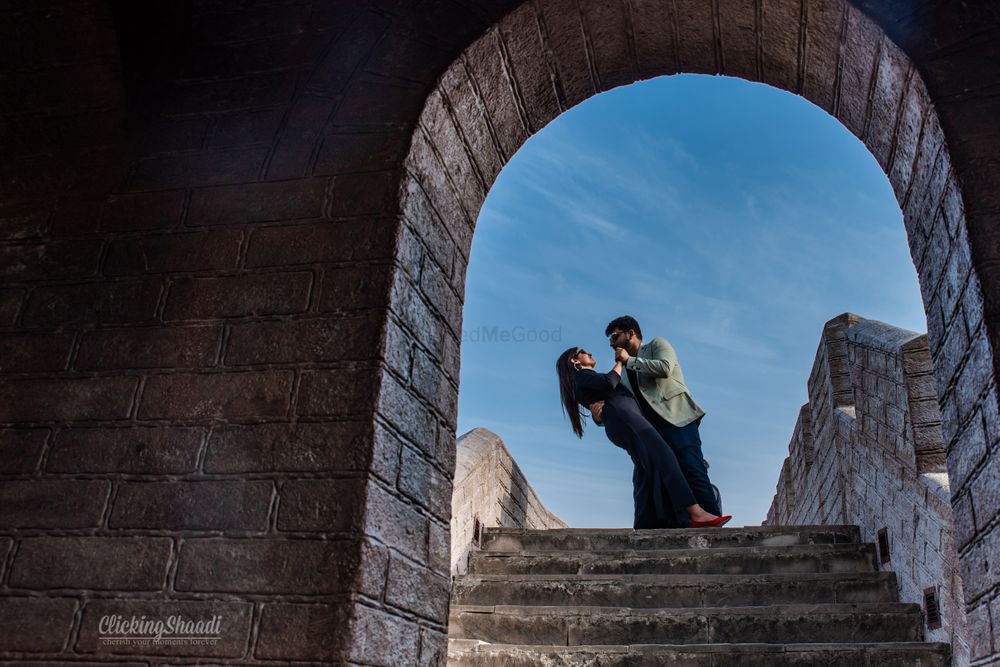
{"x":229,"y":368}
{"x":548,"y":55}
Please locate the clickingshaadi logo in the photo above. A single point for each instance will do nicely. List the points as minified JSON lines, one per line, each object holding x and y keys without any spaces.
{"x":175,"y":630}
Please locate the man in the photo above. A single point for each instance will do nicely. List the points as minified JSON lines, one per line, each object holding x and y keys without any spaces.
{"x":653,"y":375}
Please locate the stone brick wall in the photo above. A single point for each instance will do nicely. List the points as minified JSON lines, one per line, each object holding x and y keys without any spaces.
{"x":867,"y":450}
{"x":491,"y":489}
{"x":205,"y":406}
{"x":917,"y":106}
{"x":233,"y":244}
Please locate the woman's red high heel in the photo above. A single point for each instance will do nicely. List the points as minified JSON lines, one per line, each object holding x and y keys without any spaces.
{"x":714,"y":523}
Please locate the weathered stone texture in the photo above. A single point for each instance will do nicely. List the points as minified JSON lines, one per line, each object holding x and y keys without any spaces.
{"x":790,"y":595}
{"x":491,"y":489}
{"x":99,"y":563}
{"x":176,"y":271}
{"x":881,"y":463}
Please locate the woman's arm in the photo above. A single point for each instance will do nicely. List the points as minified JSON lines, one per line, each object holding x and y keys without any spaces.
{"x":610,"y":379}
{"x":607,"y":382}
{"x":600,"y":383}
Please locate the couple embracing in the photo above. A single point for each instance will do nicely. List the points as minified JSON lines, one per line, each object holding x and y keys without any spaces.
{"x":645,"y":408}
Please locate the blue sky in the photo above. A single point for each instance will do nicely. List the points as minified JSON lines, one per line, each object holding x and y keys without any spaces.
{"x":731,"y":218}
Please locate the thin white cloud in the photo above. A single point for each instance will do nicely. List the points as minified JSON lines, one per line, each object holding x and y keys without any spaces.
{"x":737,"y":264}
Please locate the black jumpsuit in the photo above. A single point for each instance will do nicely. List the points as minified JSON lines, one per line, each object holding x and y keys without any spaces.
{"x":627,"y":428}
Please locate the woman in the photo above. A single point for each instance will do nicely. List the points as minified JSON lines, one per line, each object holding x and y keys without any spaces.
{"x":581,"y":385}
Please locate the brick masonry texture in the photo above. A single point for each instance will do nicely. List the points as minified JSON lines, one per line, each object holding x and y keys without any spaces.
{"x":875,"y":459}
{"x":490,"y":488}
{"x":198,"y":201}
{"x":98,"y":563}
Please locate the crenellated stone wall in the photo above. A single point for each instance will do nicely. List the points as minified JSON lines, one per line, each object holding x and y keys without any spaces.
{"x":233,"y":247}
{"x":490,"y":487}
{"x":867,"y":450}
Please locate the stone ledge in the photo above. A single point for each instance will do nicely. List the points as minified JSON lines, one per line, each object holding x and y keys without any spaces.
{"x":466,"y":653}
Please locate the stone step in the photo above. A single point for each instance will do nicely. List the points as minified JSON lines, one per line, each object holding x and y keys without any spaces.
{"x":846,"y":557}
{"x":470,"y":653}
{"x":606,"y":539}
{"x":673,"y":590}
{"x":784,"y":624}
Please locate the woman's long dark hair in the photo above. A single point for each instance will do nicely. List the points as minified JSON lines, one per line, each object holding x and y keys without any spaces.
{"x":567,"y":390}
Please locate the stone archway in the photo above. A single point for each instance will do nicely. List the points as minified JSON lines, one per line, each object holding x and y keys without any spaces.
{"x":230,"y":364}
{"x":547,"y":56}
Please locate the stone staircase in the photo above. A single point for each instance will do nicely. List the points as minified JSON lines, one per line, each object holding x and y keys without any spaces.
{"x":761,"y":596}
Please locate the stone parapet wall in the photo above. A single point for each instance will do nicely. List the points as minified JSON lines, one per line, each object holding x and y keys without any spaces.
{"x":490,"y":486}
{"x":868,"y":450}
{"x":235,"y":238}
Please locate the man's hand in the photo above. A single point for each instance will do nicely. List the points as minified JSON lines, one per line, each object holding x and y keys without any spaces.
{"x":596,"y":409}
{"x":621,"y":354}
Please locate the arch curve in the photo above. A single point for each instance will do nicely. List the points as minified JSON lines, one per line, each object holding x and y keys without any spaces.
{"x":546,"y":56}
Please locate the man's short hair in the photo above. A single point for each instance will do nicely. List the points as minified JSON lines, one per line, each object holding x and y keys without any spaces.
{"x":624,"y":323}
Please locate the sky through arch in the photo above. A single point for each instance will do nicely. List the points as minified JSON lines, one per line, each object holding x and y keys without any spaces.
{"x":729,"y":217}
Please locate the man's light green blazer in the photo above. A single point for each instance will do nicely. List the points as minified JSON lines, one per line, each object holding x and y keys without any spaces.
{"x":662,"y":382}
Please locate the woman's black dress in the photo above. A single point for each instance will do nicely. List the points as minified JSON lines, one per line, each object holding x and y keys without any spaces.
{"x":627,"y":428}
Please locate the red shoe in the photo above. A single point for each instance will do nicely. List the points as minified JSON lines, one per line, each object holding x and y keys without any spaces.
{"x":714,"y":523}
